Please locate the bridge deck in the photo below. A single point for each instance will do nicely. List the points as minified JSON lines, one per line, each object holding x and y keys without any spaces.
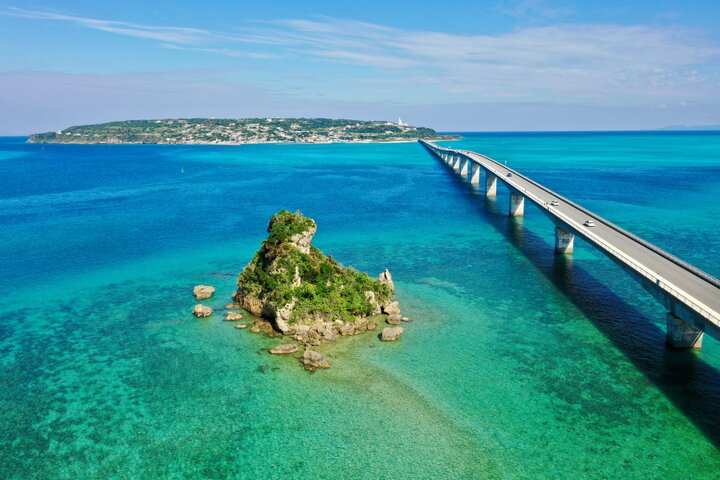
{"x":694,"y":289}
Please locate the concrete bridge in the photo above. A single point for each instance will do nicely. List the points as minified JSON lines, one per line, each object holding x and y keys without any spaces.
{"x":691,"y":296}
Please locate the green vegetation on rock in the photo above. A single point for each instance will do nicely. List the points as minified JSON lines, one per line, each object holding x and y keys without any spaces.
{"x":237,"y":131}
{"x":290,"y":276}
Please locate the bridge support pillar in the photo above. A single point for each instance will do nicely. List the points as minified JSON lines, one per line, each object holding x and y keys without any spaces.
{"x":564,"y":241}
{"x":490,"y":184}
{"x":680,"y":334}
{"x":456,"y":163}
{"x":517,"y":205}
{"x":475,"y":176}
{"x":464,"y":167}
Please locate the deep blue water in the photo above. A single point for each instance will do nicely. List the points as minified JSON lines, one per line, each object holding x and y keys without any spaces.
{"x":518,"y":363}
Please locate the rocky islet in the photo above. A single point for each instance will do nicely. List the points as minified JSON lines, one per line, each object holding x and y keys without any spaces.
{"x":298,"y":292}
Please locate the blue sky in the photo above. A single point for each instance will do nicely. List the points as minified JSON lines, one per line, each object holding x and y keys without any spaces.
{"x":497,"y":65}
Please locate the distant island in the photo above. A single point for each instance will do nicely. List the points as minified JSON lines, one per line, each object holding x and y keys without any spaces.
{"x":197,"y":131}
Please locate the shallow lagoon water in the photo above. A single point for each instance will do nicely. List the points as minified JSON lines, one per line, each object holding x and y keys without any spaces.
{"x":518,"y":363}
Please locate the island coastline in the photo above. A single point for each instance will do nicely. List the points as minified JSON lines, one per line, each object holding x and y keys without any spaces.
{"x":243,"y":131}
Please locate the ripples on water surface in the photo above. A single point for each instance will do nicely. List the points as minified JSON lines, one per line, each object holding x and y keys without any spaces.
{"x":518,"y":364}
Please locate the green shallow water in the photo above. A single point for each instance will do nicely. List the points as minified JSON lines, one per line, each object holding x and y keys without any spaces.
{"x":518,"y":364}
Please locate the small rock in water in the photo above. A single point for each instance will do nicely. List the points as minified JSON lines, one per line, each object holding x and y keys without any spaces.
{"x":371,"y":326}
{"x":233,"y":317}
{"x":390,"y":334}
{"x":203,"y":292}
{"x":232,"y":306}
{"x":255,"y":329}
{"x":240,"y":326}
{"x":284,"y":349}
{"x":313,"y":360}
{"x":406,"y":319}
{"x":262,"y":368}
{"x":394,"y":319}
{"x":202,"y":311}
{"x":392,"y":308}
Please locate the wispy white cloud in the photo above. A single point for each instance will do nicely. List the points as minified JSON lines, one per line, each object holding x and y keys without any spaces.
{"x":182,"y":35}
{"x":228,"y":52}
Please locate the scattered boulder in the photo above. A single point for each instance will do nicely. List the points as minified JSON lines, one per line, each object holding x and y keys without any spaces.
{"x":202,"y":311}
{"x":301,"y":331}
{"x":371,"y":326}
{"x":394,"y":319}
{"x":386,"y":278}
{"x":392,"y":308}
{"x":347,"y":329}
{"x":313,"y":360}
{"x":261,"y":326}
{"x":284,"y":349}
{"x":232,"y":306}
{"x":361,"y":324}
{"x":240,"y":326}
{"x":233,"y":317}
{"x":203,"y":292}
{"x":390,"y":334}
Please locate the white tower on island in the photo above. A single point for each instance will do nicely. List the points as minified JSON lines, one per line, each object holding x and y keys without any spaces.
{"x":401,"y":123}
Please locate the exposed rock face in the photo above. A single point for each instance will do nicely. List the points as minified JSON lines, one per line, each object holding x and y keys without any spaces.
{"x":282,"y":317}
{"x":202,"y":311}
{"x":297,"y":281}
{"x":302,"y":240}
{"x":371,"y":298}
{"x":386,"y":278}
{"x":253,"y":305}
{"x":284,"y":349}
{"x":233,"y":317}
{"x":203,"y":292}
{"x":390,"y":334}
{"x":314,"y":360}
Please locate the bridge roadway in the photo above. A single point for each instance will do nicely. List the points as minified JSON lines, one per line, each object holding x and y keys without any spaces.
{"x":691,"y":296}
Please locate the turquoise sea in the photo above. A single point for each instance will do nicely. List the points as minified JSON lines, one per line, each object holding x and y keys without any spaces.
{"x":518,"y":363}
